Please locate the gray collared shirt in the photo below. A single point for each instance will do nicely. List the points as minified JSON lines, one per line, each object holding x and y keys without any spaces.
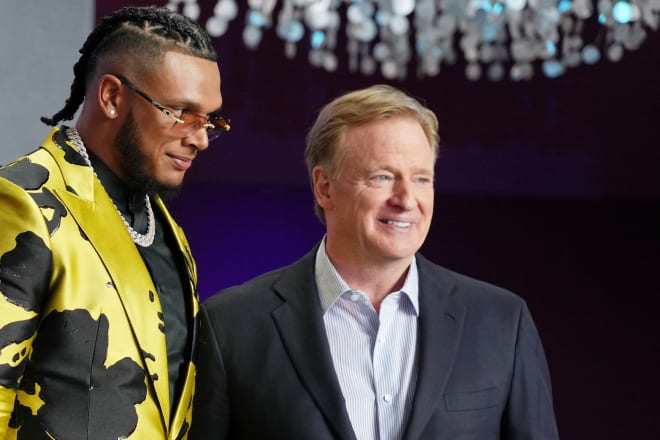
{"x":374,"y":354}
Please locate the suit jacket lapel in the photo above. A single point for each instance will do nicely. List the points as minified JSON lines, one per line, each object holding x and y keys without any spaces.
{"x":300,"y":322}
{"x":181,"y":411}
{"x":184,"y":247}
{"x":135,"y":288}
{"x":439,"y":330}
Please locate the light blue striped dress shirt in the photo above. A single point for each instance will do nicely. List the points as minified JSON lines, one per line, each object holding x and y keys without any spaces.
{"x":374,"y":355}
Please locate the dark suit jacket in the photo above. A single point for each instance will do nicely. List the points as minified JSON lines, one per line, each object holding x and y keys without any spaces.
{"x":265,"y":369}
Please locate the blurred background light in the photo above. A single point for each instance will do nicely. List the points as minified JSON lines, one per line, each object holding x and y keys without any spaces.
{"x":403,"y":38}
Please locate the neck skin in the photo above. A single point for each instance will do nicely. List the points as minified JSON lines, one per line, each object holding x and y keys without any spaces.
{"x":97,"y":127}
{"x":376,"y":280}
{"x":98,"y":140}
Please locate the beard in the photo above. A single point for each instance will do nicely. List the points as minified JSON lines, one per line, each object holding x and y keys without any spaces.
{"x":135,"y":162}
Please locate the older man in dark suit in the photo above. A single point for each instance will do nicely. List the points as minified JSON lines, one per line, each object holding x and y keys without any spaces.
{"x":364,"y":338}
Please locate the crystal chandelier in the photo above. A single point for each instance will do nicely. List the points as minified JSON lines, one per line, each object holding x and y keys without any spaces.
{"x":493,"y":39}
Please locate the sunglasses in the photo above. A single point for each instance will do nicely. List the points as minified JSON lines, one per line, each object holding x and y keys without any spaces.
{"x":185,"y":122}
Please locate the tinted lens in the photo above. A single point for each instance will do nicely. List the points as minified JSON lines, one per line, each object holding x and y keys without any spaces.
{"x":192,"y":121}
{"x":220,"y":125}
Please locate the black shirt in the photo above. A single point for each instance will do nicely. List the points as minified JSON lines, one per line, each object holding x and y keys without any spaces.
{"x":167,"y":269}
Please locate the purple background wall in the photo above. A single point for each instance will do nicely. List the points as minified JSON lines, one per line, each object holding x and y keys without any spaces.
{"x":548,"y":187}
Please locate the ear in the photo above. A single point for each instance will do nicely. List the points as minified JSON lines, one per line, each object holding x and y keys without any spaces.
{"x":321,"y":185}
{"x":109,"y":95}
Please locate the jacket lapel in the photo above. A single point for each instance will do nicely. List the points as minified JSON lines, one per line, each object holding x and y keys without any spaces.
{"x":300,"y":322}
{"x":440,"y":328}
{"x":107,"y":233}
{"x":182,"y":411}
{"x":184,"y":248}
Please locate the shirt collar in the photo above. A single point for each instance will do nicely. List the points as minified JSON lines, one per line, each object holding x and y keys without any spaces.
{"x":331,"y":285}
{"x":127,"y":200}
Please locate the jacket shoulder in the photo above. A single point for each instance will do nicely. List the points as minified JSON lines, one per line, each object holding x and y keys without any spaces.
{"x":463,"y":288}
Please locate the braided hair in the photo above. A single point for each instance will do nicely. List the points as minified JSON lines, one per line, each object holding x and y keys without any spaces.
{"x":144,"y":32}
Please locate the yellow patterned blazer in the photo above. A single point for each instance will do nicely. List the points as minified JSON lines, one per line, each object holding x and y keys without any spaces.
{"x":82,"y":346}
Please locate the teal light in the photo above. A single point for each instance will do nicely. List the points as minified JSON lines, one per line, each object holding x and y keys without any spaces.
{"x":256,"y":18}
{"x":380,"y":18}
{"x":622,"y":12}
{"x":293,"y":31}
{"x":489,"y":31}
{"x":565,"y":5}
{"x":553,"y":68}
{"x":317,"y":39}
{"x":590,"y":54}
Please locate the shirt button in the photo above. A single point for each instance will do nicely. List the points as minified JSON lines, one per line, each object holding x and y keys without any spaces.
{"x":387,"y":398}
{"x":355,"y":297}
{"x":380,"y":339}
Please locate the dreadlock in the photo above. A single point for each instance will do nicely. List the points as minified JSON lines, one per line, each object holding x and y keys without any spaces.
{"x":144,"y":31}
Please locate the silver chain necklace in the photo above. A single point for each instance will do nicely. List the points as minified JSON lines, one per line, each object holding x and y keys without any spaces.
{"x":144,"y":240}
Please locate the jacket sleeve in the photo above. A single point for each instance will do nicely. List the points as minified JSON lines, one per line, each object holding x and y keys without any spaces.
{"x":529,"y":414}
{"x":25,"y":269}
{"x":211,"y":404}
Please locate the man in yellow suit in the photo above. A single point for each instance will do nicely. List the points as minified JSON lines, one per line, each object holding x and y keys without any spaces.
{"x":98,"y":301}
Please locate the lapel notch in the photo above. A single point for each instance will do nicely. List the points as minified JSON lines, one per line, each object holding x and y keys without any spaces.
{"x":440,"y":331}
{"x":300,"y":323}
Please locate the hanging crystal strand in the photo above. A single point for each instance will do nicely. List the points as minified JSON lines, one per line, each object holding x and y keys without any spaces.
{"x":190,"y":8}
{"x":495,"y":38}
{"x":223,"y":12}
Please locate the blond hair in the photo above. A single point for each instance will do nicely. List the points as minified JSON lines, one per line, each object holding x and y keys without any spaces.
{"x":358,"y":107}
